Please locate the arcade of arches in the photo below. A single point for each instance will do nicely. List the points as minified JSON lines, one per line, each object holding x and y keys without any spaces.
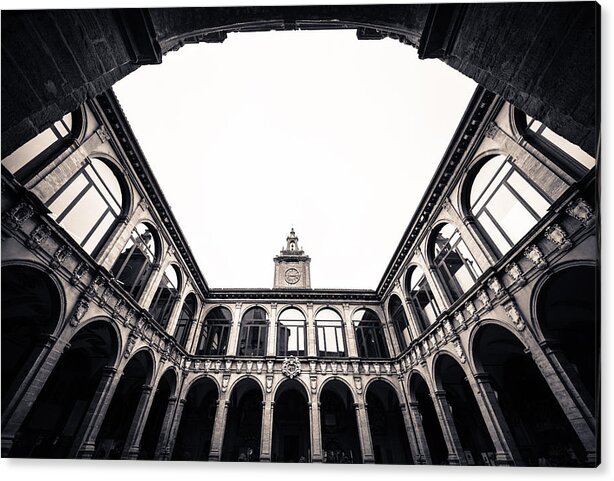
{"x":478,"y":347}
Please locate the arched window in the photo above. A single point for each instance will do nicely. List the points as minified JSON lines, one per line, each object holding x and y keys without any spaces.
{"x":369,"y":334}
{"x":331,"y":340}
{"x":254,"y":330}
{"x":505,"y":203}
{"x":166,"y":295}
{"x":421,"y":298}
{"x":396,"y":312}
{"x":568,"y":155}
{"x":453,"y":260}
{"x":291,"y":333}
{"x":186,"y":317}
{"x":88,"y":204}
{"x":32,"y":156}
{"x":214,"y":336}
{"x":134,"y":264}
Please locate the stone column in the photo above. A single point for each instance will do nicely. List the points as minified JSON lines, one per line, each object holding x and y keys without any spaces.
{"x":316,"y":431}
{"x":416,"y":418}
{"x":479,"y":239}
{"x":133,"y":440}
{"x":364,"y":433}
{"x":267,"y":428}
{"x":312,"y":335}
{"x":150,"y":286}
{"x":27,"y":374}
{"x":219,"y":428}
{"x":166,"y":428}
{"x":23,"y":400}
{"x":235,"y":327}
{"x":568,"y":403}
{"x":271,"y":349}
{"x":175,"y":311}
{"x":570,"y":378}
{"x":500,"y":433}
{"x":416,"y":453}
{"x":84,"y":445}
{"x":349,"y":332}
{"x":456,"y":454}
{"x":166,"y":452}
{"x":413,"y":328}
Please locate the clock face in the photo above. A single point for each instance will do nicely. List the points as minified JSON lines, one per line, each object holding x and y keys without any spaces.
{"x":292,"y":276}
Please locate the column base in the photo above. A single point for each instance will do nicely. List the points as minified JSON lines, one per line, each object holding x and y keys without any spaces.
{"x":86,"y":451}
{"x":504,"y":459}
{"x":7,"y":444}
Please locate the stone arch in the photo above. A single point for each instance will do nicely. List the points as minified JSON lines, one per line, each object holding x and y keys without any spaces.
{"x":200,"y":401}
{"x":332,"y":308}
{"x":243,"y":431}
{"x":565,"y":317}
{"x":290,"y":437}
{"x":352,"y":389}
{"x":33,"y":306}
{"x":291,"y":306}
{"x":540,"y":428}
{"x":160,"y":410}
{"x":127,"y":188}
{"x":56,"y":419}
{"x":386,"y":423}
{"x":425,"y":417}
{"x":119,"y":337}
{"x":466,"y":180}
{"x":123,"y":416}
{"x":197,"y":379}
{"x":451,"y":377}
{"x":339,"y":423}
{"x":152,"y":358}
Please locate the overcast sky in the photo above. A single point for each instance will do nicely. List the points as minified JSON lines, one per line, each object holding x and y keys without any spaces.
{"x":317,"y":130}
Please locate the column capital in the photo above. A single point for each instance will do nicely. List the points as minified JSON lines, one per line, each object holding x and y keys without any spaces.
{"x":109,"y":371}
{"x":147,"y":389}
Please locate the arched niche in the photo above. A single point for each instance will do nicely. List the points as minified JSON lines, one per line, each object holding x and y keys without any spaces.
{"x":291,"y":428}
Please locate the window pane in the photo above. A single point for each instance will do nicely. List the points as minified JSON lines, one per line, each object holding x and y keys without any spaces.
{"x":99,"y":233}
{"x":529,"y":194}
{"x":62,"y":201}
{"x":494,"y":233}
{"x":84,"y":214}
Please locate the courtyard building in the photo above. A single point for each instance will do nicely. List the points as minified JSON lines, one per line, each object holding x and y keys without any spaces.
{"x":478,"y":346}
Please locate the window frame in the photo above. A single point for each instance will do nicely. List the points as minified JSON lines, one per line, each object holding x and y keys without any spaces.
{"x":292,"y":327}
{"x":248,"y":326}
{"x":321,"y":333}
{"x":211,"y":326}
{"x":372,"y":327}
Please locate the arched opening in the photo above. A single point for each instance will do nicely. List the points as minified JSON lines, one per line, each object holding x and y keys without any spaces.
{"x":254,"y":330}
{"x":421,"y":395}
{"x":331,"y":337}
{"x":567,"y":314}
{"x":339,"y":428}
{"x":474,"y":437}
{"x":542,"y":432}
{"x":396,"y":313}
{"x":88,"y":205}
{"x":166,"y":295}
{"x":388,"y":433}
{"x":157,"y":414}
{"x":243,"y":423}
{"x":215,"y":332}
{"x":186,"y":319}
{"x":291,"y":430}
{"x":111,"y":442}
{"x":420,"y":298}
{"x":31,"y":309}
{"x":505,"y":202}
{"x":51,"y":427}
{"x":136,"y":260}
{"x":193,"y":441}
{"x":453,"y":260}
{"x":291,"y":333}
{"x":370,"y":338}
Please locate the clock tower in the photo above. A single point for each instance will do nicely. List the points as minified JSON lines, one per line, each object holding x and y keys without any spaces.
{"x":292,"y":266}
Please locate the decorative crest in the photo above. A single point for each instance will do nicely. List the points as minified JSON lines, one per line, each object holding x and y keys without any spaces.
{"x":291,"y":367}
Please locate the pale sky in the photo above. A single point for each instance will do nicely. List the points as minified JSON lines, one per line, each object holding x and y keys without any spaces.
{"x":312,"y":129}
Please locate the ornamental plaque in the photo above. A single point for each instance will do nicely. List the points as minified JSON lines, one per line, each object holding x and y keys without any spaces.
{"x":291,"y":367}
